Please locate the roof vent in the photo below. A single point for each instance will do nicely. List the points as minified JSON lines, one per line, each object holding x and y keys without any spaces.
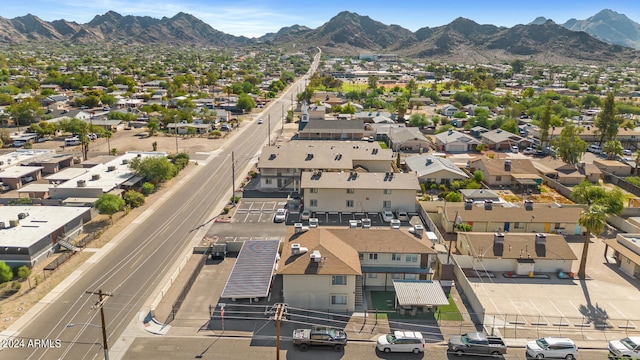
{"x":468,"y":204}
{"x":315,"y":256}
{"x":82,"y":183}
{"x":111,"y":168}
{"x":309,"y":157}
{"x":488,"y":204}
{"x":541,"y":239}
{"x":125,"y":161}
{"x":95,"y":177}
{"x":298,"y":228}
{"x":429,"y":161}
{"x":22,"y":215}
{"x":528,"y":204}
{"x":14,"y":223}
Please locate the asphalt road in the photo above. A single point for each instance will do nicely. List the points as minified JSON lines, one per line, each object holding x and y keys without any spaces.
{"x":133,"y":269}
{"x":227,"y":348}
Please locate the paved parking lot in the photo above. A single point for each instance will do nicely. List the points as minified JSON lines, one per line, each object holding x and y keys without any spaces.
{"x":257,"y":210}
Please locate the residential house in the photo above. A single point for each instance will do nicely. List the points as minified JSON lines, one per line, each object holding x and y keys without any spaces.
{"x":455,"y":142}
{"x":478,"y":131}
{"x":613,"y":167}
{"x":515,"y":253}
{"x":359,"y":192}
{"x":626,"y":249}
{"x":408,"y":139}
{"x":499,"y":139}
{"x":517,"y":174}
{"x":628,"y":137}
{"x":434,"y":169}
{"x":527,"y":217}
{"x":479,"y":195}
{"x":281,"y":166}
{"x":332,"y":130}
{"x":329,"y":268}
{"x":567,"y":174}
{"x":183,"y":128}
{"x":448,"y":110}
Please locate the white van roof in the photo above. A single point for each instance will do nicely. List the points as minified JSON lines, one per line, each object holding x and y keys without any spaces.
{"x":407,"y":334}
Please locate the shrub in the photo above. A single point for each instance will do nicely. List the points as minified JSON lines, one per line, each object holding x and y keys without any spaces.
{"x":15,"y":286}
{"x":5,"y":272}
{"x":23,"y":272}
{"x":147,"y":188}
{"x":133,"y":198}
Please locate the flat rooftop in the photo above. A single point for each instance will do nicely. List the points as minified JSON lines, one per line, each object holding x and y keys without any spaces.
{"x":106,"y":179}
{"x":40,"y":222}
{"x":21,"y":156}
{"x":15,"y":172}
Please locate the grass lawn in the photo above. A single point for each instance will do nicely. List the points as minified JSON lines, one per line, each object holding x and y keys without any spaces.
{"x":383,"y":145}
{"x":346,"y":87}
{"x":383,"y":300}
{"x":449,"y":312}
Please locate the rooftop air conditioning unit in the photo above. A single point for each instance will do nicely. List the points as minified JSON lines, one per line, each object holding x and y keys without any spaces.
{"x":488,"y":204}
{"x":2,"y":225}
{"x":498,"y":238}
{"x":298,"y":228}
{"x":82,"y":183}
{"x":315,"y":256}
{"x":541,"y":239}
{"x":125,"y":161}
{"x":14,"y":223}
{"x":528,"y":204}
{"x":468,"y":204}
{"x":95,"y":176}
{"x":111,"y":168}
{"x":296,"y":249}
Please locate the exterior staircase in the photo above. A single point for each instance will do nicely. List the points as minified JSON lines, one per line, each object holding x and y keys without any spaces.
{"x":68,"y":245}
{"x":359,"y":291}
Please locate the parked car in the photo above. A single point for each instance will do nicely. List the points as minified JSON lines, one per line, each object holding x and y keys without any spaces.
{"x":366,"y":223}
{"x":225,"y":127}
{"x":594,"y":149}
{"x":394,"y":223}
{"x":319,"y":336}
{"x":477,"y":343}
{"x":27,"y":179}
{"x":260,"y":121}
{"x":371,"y":139}
{"x":402,"y":215}
{"x":387,"y":216}
{"x":515,"y":149}
{"x":539,"y":153}
{"x":627,"y":348}
{"x":92,"y":136}
{"x":626,"y":152}
{"x":528,"y":151}
{"x":305,"y":214}
{"x":401,"y":341}
{"x":552,"y":347}
{"x":281,"y":215}
{"x":313,"y":222}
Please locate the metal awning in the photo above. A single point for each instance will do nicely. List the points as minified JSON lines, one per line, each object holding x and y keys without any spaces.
{"x":253,"y":270}
{"x":419,"y":293}
{"x":133,"y":181}
{"x":395,"y":270}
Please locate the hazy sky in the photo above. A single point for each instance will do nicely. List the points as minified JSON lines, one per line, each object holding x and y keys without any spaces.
{"x":257,"y":17}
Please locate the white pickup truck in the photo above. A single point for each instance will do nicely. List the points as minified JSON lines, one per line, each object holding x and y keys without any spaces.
{"x":628,"y":348}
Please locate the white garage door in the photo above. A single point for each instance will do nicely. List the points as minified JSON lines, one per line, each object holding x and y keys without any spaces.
{"x":456,"y":148}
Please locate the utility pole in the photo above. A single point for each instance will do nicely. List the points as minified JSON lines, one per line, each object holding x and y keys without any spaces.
{"x":456,"y":222}
{"x":100,"y":304}
{"x":269,"y":129}
{"x":278,"y":318}
{"x":282,"y":119}
{"x":233,"y":179}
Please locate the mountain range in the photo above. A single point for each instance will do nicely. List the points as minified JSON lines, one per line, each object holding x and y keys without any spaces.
{"x":604,"y":37}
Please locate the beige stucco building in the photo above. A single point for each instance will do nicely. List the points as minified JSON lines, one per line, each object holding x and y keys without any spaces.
{"x":359,"y":192}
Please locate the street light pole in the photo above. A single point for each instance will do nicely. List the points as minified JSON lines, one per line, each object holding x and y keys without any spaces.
{"x":233,"y":179}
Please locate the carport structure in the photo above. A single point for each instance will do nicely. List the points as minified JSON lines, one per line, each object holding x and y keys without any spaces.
{"x":251,"y":275}
{"x":416,"y":294}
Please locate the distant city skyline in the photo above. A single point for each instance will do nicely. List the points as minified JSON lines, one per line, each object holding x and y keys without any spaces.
{"x":254,"y":18}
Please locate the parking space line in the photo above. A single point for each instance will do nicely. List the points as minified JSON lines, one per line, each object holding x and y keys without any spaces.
{"x":540,"y":315}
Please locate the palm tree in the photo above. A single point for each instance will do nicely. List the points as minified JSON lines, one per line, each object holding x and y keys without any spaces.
{"x":108,"y":134}
{"x":593,"y":220}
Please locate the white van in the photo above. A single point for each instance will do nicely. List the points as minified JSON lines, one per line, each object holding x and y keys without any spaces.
{"x":594,"y":149}
{"x":401,"y":341}
{"x":71,"y":141}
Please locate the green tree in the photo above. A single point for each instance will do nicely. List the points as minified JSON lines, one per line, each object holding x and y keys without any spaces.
{"x":401,"y":105}
{"x":372,"y":82}
{"x":607,"y":122}
{"x":418,"y":120}
{"x":23,"y":272}
{"x":528,"y":93}
{"x":517,"y":66}
{"x":593,"y":220}
{"x":147,"y":188}
{"x":110,"y":204}
{"x":612,"y":148}
{"x":570,"y":147}
{"x":545,"y":123}
{"x":511,"y":126}
{"x":245,"y":103}
{"x":133,"y":199}
{"x":152,"y":126}
{"x":478,"y":176}
{"x":612,"y":201}
{"x":155,"y":169}
{"x":5,"y":272}
{"x":463,"y":97}
{"x":24,"y":112}
{"x":453,"y":196}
